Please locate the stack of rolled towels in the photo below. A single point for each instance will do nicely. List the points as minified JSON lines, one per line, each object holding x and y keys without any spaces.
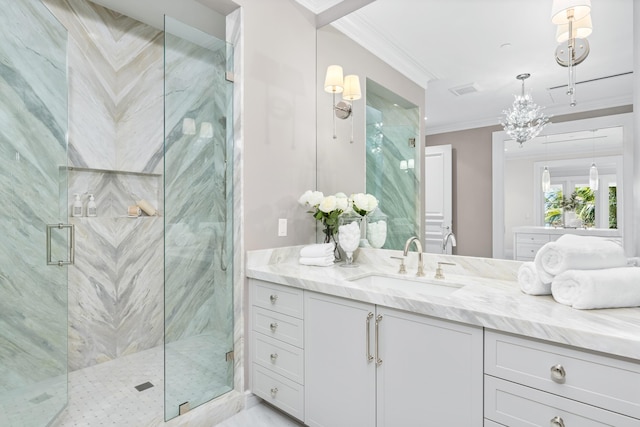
{"x":583,"y":272}
{"x":320,"y":255}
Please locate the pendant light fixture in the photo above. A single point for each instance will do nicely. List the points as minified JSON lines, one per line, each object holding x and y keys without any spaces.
{"x":546,"y":180}
{"x":525,"y":120}
{"x":594,"y":180}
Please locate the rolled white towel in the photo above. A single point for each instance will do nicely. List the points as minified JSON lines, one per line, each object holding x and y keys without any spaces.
{"x":607,"y":288}
{"x":530,"y":282}
{"x":317,"y":261}
{"x":320,"y":250}
{"x":572,"y":252}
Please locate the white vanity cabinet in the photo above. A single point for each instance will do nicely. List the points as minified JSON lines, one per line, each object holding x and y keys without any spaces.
{"x":277,"y":345}
{"x":368,"y":365}
{"x":548,"y":384}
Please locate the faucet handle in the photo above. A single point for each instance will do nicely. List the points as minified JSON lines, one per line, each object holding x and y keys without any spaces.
{"x":439,"y":274}
{"x":402,"y":269}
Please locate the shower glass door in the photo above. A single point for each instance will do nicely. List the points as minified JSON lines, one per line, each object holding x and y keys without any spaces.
{"x":198,"y":218}
{"x":33,"y":156}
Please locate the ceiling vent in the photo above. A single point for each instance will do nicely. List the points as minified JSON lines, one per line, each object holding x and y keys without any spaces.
{"x":464,"y":89}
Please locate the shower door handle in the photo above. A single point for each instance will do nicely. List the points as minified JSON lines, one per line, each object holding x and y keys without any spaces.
{"x":71,"y":250}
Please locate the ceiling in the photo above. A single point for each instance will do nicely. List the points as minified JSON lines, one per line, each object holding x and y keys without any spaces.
{"x":480,"y":47}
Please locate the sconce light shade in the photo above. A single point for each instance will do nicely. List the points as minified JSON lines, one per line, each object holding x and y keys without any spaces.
{"x":333,"y":81}
{"x":546,"y":180}
{"x":188,"y":126}
{"x":411,"y":163}
{"x":206,"y":130}
{"x":594,"y":181}
{"x":351,"y":88}
{"x":581,"y":29}
{"x":403,"y":165}
{"x":559,"y":9}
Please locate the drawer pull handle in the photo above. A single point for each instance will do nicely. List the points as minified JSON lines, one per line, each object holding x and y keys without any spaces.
{"x":368,"y":337}
{"x":557,"y":422}
{"x":273,"y":298}
{"x":274,"y":391}
{"x":274,"y":357}
{"x":558,"y":374}
{"x":273,"y":326}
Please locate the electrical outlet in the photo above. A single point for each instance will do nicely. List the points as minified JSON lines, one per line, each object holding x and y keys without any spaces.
{"x":282,"y":227}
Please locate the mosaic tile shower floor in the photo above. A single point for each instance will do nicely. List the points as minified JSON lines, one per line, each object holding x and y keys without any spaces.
{"x":105,"y":394}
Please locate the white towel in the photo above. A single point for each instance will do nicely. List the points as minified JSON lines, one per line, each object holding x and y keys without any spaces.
{"x":607,"y":288}
{"x":320,"y":250}
{"x":317,"y":261}
{"x":573,"y":252}
{"x":530,"y":282}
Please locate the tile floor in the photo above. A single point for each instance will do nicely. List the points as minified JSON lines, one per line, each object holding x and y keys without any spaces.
{"x":105,"y":394}
{"x":261,"y":415}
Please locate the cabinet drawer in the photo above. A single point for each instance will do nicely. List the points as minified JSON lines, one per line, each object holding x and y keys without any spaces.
{"x":527,"y":250}
{"x":606,"y":382}
{"x":536,"y":238}
{"x":489,"y":423}
{"x":279,"y":326}
{"x":283,"y":299}
{"x":517,"y":406}
{"x":279,"y":357}
{"x":278,"y":391}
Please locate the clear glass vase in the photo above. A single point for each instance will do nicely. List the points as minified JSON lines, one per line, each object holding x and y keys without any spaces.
{"x":349,"y":235}
{"x":376,"y":229}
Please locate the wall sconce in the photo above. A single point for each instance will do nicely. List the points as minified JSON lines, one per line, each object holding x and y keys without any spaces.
{"x":206,"y":130}
{"x":573,"y":18}
{"x":188,"y":126}
{"x":349,"y":86}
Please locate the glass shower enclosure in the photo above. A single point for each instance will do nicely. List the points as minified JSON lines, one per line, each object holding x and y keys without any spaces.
{"x":33,"y":189}
{"x":198,"y":174}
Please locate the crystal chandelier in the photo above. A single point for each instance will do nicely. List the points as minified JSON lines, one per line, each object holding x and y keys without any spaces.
{"x":525,"y":120}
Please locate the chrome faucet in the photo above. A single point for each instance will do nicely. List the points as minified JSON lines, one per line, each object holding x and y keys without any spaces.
{"x":447,"y":237}
{"x":420,"y":272}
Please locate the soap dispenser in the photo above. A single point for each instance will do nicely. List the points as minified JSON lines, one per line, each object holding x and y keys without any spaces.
{"x":77,"y":206}
{"x":92,"y":209}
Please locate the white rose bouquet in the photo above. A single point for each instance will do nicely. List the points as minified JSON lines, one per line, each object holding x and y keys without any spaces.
{"x":326,"y":209}
{"x":363,"y":204}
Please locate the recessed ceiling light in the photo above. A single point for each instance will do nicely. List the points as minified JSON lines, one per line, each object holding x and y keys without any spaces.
{"x":505,"y":45}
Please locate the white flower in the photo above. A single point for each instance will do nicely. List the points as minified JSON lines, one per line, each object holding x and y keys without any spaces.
{"x":304,"y":199}
{"x":328,"y":204}
{"x":364,"y":203}
{"x":342,"y":202}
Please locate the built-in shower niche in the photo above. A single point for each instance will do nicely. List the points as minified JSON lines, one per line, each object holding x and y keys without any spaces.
{"x":114,"y":191}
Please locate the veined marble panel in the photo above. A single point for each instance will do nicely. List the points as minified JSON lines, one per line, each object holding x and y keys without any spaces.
{"x":389,"y":128}
{"x":116,"y":88}
{"x":33,"y":117}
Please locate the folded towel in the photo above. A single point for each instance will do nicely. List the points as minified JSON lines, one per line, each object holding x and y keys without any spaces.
{"x":321,"y":250}
{"x":530,"y":282}
{"x":573,"y":252}
{"x":317,"y":261}
{"x":607,"y":288}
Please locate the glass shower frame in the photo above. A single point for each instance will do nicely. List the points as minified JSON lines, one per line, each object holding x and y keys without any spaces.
{"x":199,"y":322}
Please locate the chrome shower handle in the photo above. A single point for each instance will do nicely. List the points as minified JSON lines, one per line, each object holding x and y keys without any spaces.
{"x":71,"y":251}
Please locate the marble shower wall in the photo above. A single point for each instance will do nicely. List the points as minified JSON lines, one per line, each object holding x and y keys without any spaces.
{"x":389,"y":128}
{"x":115,"y":67}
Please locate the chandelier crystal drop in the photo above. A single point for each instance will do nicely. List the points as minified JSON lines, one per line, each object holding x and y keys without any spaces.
{"x":525,"y":120}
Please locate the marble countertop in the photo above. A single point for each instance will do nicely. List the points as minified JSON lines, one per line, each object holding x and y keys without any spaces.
{"x":479,"y":291}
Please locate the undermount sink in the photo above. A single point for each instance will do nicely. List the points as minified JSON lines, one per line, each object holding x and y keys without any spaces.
{"x":422,"y":285}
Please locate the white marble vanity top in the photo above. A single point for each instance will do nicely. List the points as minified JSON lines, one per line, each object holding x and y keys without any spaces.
{"x":488,"y":296}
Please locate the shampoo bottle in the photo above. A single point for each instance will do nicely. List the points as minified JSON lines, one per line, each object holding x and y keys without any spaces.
{"x":92,"y":209}
{"x":77,"y":206}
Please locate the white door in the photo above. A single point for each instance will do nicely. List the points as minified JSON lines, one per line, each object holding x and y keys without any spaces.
{"x":438,"y":197}
{"x":431,"y":372}
{"x":340,"y":377}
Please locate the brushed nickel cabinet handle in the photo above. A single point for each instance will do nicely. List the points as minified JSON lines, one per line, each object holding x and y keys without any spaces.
{"x":273,"y":326}
{"x":368,"y":335}
{"x":557,"y":422}
{"x":378,"y":320}
{"x":273,"y":298}
{"x":274,"y":357}
{"x":274,"y":391}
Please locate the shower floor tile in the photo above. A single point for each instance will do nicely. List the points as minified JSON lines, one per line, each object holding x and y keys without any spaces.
{"x":105,"y":394}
